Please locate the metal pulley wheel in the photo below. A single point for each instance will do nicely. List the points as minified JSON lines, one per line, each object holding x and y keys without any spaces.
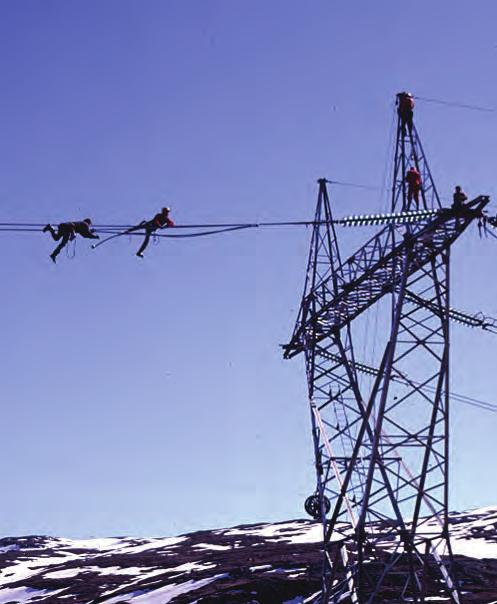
{"x":313,"y":506}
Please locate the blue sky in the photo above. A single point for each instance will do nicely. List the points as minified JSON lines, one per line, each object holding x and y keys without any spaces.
{"x":150,"y":397}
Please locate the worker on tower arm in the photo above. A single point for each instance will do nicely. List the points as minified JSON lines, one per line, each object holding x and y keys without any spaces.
{"x":67,"y":231}
{"x":405,"y":110}
{"x":459,"y":198}
{"x":413,"y":179}
{"x":159,"y":221}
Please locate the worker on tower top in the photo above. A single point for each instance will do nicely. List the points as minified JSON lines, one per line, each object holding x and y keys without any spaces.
{"x":413,"y":180}
{"x":67,"y":231}
{"x":159,"y":221}
{"x":405,"y":110}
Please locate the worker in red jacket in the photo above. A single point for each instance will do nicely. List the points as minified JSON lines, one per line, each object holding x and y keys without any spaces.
{"x":159,"y":221}
{"x":67,"y":231}
{"x":413,"y":179}
{"x":405,"y":109}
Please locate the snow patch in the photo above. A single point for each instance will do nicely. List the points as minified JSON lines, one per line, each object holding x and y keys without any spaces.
{"x":474,"y":548}
{"x":24,"y":569}
{"x":213,"y":546}
{"x":162,"y":595}
{"x":152,"y":544}
{"x":189,"y":566}
{"x":100,"y":545}
{"x":63,"y":574}
{"x":20,"y":595}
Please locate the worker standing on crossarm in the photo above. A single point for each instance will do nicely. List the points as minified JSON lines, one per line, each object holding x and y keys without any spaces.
{"x":459,"y":198}
{"x":159,"y":221}
{"x":413,"y":179}
{"x":405,"y":110}
{"x":67,"y":231}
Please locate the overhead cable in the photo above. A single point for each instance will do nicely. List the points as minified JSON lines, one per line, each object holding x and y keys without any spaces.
{"x":456,"y":104}
{"x":355,"y":185}
{"x":403,"y":379}
{"x":359,"y":220}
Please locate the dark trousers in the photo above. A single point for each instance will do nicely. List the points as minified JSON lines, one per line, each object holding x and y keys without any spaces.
{"x":64,"y":233}
{"x":406,"y":117}
{"x":150,"y":228}
{"x":413,"y":192}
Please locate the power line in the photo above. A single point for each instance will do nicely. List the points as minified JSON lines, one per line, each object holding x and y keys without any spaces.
{"x":468,"y":400}
{"x":118,"y":227}
{"x":456,"y":104}
{"x":358,"y":220}
{"x":239,"y":227}
{"x":342,"y":183}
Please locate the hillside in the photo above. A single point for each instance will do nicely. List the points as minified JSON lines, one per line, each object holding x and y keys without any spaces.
{"x":250,"y":564}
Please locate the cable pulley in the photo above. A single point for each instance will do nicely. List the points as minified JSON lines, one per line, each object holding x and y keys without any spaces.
{"x":312,"y":506}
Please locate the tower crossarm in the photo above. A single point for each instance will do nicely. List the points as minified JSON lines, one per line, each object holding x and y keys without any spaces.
{"x":375,"y":270}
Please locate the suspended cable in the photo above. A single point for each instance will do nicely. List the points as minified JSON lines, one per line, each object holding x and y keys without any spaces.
{"x":401,"y":378}
{"x":456,"y":104}
{"x":468,"y":400}
{"x":404,"y":380}
{"x":360,"y":220}
{"x":171,"y":236}
{"x":353,"y":184}
{"x":19,"y":229}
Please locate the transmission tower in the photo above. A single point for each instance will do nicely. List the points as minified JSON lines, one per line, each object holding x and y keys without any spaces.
{"x":381,"y":429}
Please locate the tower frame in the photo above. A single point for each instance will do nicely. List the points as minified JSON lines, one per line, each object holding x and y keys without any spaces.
{"x":382,"y":448}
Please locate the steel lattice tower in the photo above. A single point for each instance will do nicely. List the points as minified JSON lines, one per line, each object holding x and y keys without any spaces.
{"x":381,"y":431}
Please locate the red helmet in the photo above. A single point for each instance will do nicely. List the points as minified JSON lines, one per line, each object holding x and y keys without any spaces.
{"x":166,"y":210}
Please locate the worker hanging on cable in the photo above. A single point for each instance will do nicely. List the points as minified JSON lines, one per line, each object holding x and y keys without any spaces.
{"x":159,"y":221}
{"x":67,"y":231}
{"x":405,"y":110}
{"x":413,"y":179}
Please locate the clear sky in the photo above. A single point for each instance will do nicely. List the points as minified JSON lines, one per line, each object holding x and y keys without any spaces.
{"x":149,"y":397}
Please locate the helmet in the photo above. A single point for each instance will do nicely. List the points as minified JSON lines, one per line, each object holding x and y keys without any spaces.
{"x":458,"y":188}
{"x":87,"y":220}
{"x":166,"y":210}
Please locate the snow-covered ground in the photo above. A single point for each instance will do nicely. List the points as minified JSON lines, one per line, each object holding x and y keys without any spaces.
{"x":184,"y":569}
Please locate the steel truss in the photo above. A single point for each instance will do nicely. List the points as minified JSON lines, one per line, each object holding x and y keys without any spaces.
{"x":381,"y":434}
